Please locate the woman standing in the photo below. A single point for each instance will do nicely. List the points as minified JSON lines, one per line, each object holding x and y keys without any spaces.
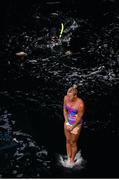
{"x":73,"y":112}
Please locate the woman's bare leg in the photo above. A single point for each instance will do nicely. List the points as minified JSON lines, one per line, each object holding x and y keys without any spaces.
{"x":68,"y":143}
{"x":74,"y":139}
{"x":74,"y":151}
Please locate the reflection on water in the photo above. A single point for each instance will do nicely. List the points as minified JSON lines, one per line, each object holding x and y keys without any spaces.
{"x":26,"y":160}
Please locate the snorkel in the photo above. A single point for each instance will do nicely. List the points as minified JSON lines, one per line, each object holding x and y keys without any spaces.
{"x":62,"y":29}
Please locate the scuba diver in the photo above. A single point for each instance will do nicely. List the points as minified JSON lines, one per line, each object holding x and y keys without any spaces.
{"x":56,"y":27}
{"x":56,"y":32}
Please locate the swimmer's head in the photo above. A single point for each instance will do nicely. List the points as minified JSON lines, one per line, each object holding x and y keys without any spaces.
{"x":72,"y":92}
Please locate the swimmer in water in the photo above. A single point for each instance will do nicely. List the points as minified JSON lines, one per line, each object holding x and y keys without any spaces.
{"x":73,"y":113}
{"x":56,"y":27}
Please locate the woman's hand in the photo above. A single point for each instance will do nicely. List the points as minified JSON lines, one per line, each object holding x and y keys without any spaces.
{"x":69,"y":128}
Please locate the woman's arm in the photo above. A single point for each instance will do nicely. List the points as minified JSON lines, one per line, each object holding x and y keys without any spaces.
{"x":79,"y":115}
{"x":65,"y":111}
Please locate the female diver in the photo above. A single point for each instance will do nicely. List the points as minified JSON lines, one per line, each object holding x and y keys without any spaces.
{"x":73,"y":112}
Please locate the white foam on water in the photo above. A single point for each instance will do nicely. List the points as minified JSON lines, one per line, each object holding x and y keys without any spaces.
{"x":79,"y":161}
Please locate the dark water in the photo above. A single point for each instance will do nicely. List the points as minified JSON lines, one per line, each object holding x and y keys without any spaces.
{"x":32,"y":91}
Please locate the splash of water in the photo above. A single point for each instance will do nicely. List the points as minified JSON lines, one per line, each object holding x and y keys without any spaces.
{"x":79,"y":161}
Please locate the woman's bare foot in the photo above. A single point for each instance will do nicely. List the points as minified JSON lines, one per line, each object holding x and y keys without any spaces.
{"x":70,"y":163}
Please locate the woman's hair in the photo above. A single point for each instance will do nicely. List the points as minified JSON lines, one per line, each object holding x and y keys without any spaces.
{"x":73,"y":89}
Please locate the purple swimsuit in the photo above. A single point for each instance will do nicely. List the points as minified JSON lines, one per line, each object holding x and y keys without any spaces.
{"x":72,"y":113}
